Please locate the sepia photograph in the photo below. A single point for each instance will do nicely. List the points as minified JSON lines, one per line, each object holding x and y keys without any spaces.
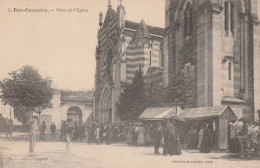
{"x":129,"y":83}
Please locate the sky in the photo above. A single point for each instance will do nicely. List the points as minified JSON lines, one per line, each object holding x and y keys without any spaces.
{"x":61,"y":45}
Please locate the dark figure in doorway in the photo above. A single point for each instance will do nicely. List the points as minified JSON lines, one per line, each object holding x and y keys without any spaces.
{"x":53,"y":130}
{"x":206,"y":140}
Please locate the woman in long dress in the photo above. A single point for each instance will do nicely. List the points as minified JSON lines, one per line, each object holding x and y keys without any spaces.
{"x":148,"y":139}
{"x":206,"y":141}
{"x":200,"y":136}
{"x":129,"y":138}
{"x":140,"y":140}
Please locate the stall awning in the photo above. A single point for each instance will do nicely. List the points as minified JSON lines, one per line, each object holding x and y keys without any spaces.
{"x":224,"y":112}
{"x":159,"y":113}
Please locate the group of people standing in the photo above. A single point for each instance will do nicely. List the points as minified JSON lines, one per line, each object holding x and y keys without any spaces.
{"x":108,"y":133}
{"x":138,"y":134}
{"x":170,"y":139}
{"x":244,"y":138}
{"x":201,"y":139}
{"x":43,"y":128}
{"x":155,"y":134}
{"x":73,"y":129}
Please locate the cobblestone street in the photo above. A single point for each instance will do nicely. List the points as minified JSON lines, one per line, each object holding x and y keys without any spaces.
{"x":53,"y":155}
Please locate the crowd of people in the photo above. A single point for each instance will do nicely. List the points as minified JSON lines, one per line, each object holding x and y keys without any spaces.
{"x":243,"y":136}
{"x":166,"y":134}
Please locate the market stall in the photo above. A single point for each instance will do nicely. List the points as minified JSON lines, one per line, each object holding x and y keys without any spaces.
{"x":217,"y":117}
{"x":159,"y":113}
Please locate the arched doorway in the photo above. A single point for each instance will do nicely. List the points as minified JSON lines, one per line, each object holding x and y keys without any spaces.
{"x":108,"y":110}
{"x":74,"y":113}
{"x":106,"y":105}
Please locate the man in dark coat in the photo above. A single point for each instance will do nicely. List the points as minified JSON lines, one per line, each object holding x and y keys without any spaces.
{"x":206,"y":140}
{"x":172,"y":133}
{"x":166,"y":136}
{"x":53,"y":129}
{"x":157,"y":138}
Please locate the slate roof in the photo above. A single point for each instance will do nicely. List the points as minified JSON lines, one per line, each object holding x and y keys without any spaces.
{"x":153,"y":30}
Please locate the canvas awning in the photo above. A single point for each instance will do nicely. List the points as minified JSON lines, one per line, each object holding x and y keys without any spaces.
{"x":209,"y":112}
{"x":159,"y":113}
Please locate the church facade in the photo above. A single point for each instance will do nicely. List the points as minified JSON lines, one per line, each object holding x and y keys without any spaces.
{"x":123,"y":48}
{"x":216,"y":43}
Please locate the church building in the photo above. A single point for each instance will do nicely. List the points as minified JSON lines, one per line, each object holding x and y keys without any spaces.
{"x":123,"y":48}
{"x":216,"y":43}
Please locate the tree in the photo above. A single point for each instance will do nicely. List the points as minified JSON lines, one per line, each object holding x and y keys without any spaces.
{"x":133,"y":100}
{"x":180,"y":92}
{"x":27,"y":89}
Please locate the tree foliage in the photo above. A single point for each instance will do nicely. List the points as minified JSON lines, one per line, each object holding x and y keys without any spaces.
{"x":26,"y":89}
{"x":180,"y":92}
{"x":133,"y":100}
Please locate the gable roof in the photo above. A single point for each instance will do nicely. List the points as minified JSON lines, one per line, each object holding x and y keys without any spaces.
{"x":153,"y":30}
{"x":159,"y":113}
{"x":205,"y":112}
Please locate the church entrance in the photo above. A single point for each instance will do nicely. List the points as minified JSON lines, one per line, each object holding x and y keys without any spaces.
{"x":106,"y":115}
{"x":107,"y":110}
{"x":75,"y":114}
